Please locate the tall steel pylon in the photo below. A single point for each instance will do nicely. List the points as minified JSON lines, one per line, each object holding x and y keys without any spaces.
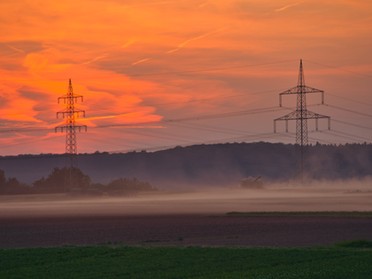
{"x":301,"y":114}
{"x":70,"y":114}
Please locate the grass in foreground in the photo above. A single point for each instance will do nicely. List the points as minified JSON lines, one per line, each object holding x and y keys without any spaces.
{"x":192,"y":262}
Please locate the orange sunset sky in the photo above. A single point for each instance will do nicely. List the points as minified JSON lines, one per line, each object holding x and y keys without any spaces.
{"x":213,"y":67}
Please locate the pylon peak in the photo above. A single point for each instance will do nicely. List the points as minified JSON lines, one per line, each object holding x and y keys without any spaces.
{"x":301,"y":75}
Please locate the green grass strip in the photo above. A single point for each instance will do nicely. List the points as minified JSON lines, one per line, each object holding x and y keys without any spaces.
{"x":187,"y":262}
{"x":355,"y":244}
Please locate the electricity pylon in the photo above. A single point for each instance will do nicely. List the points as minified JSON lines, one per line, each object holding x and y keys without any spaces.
{"x":301,"y":114}
{"x":70,"y":114}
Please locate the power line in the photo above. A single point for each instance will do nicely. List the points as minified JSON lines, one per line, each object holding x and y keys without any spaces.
{"x":349,"y":110}
{"x":224,"y":115}
{"x":26,"y":130}
{"x":178,"y":121}
{"x":202,"y":100}
{"x":209,"y":128}
{"x":26,"y":141}
{"x":163,"y":135}
{"x":339,"y":68}
{"x":216,"y":141}
{"x":198,"y":117}
{"x":211,"y":69}
{"x":352,"y":124}
{"x":347,"y":135}
{"x":351,"y":100}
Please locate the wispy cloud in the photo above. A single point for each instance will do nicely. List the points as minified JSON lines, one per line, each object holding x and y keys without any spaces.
{"x":286,"y":7}
{"x":183,"y":44}
{"x":95,"y":59}
{"x":202,"y":36}
{"x":141,"y":61}
{"x":16,"y":49}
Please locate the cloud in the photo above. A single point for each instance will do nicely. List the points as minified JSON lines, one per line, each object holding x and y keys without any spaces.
{"x":32,"y":94}
{"x":202,"y":36}
{"x":141,"y":60}
{"x":286,"y":7}
{"x":97,"y":58}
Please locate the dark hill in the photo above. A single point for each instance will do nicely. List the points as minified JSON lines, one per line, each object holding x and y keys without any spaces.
{"x":205,"y":164}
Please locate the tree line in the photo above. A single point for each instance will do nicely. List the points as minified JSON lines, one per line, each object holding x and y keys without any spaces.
{"x":72,"y":181}
{"x":215,"y":165}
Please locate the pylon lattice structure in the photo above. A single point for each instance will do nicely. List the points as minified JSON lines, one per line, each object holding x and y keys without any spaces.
{"x":301,"y":114}
{"x":70,"y":114}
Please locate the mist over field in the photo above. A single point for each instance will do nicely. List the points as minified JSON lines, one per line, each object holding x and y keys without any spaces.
{"x":349,"y":195}
{"x":287,"y":214}
{"x":203,"y":179}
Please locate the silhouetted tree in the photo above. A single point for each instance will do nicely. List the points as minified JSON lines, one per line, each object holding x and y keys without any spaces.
{"x":12,"y":186}
{"x":2,"y":178}
{"x":62,"y":180}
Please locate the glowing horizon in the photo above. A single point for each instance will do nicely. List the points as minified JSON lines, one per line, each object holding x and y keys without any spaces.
{"x":138,"y":62}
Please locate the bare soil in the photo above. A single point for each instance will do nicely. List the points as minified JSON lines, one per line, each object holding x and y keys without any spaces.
{"x":186,"y":219}
{"x":184,"y":230}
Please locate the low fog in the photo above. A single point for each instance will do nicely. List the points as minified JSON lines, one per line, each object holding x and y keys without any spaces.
{"x":350,"y":195}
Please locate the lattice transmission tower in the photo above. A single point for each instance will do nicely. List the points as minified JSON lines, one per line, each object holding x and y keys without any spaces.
{"x":301,"y":114}
{"x":70,"y":114}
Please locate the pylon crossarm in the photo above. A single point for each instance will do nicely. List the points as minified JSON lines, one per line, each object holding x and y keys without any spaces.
{"x":79,"y":112}
{"x":312,"y":90}
{"x":65,"y":98}
{"x":302,"y":89}
{"x":288,"y":92}
{"x":293,"y":90}
{"x":313,"y":115}
{"x":290,"y":116}
{"x":297,"y":115}
{"x":70,"y":113}
{"x":69,"y":127}
{"x":80,"y":127}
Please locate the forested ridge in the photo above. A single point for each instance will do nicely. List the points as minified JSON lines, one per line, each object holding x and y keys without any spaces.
{"x":216,"y":164}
